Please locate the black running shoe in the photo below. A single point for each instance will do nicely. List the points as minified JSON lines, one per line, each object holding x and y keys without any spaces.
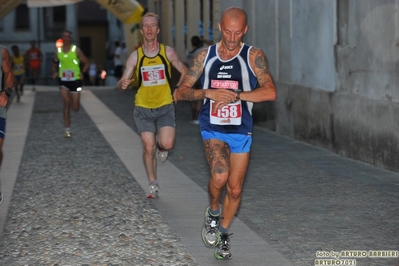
{"x":222,"y":251}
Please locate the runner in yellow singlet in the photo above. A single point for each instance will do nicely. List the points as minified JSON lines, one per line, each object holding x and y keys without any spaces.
{"x":18,"y":68}
{"x":154,"y":111}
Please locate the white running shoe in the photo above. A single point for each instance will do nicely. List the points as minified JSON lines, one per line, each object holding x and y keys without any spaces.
{"x":153,"y":190}
{"x":67,"y":132}
{"x":162,"y":155}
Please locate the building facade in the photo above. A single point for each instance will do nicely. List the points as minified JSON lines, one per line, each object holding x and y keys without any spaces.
{"x":94,"y":30}
{"x":335,"y":64}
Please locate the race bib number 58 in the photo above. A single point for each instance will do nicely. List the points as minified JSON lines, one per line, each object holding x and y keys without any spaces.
{"x":230,"y":114}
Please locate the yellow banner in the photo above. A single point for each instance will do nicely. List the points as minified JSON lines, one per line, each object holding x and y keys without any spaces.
{"x":44,"y":3}
{"x":6,"y":6}
{"x":130,"y":13}
{"x":127,"y":11}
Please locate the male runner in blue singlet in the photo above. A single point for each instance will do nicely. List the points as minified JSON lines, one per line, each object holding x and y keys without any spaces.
{"x":233,"y":75}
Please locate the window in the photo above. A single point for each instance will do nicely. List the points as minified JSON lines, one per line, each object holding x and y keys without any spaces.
{"x":22,"y":17}
{"x":85,"y":45}
{"x":54,"y":21}
{"x":59,"y":15}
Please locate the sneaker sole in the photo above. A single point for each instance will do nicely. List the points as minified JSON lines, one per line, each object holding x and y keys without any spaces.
{"x":206,"y":242}
{"x":203,"y":233}
{"x":221,"y":257}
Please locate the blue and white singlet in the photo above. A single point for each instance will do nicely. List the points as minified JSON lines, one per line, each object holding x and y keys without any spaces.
{"x":234,"y":74}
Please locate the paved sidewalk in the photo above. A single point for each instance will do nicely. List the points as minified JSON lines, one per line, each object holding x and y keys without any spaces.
{"x":297,"y":199}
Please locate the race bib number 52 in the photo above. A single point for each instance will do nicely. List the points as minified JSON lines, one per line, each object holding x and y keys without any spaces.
{"x":230,"y":114}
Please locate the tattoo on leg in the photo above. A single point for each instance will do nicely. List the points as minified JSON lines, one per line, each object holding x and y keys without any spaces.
{"x":217,"y":156}
{"x":219,"y":167}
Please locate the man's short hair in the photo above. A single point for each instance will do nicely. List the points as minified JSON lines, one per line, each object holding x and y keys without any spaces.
{"x":150,"y":14}
{"x":68,"y":31}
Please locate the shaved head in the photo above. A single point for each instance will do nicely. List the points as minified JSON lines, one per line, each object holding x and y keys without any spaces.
{"x":233,"y":26}
{"x":234,"y":13}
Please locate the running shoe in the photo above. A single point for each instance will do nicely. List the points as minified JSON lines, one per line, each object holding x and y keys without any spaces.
{"x":153,"y":190}
{"x":210,"y":232}
{"x":162,"y":155}
{"x":222,"y":251}
{"x":67,"y":134}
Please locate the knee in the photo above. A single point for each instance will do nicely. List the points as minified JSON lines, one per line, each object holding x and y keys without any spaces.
{"x":66,"y":101}
{"x":149,"y":150}
{"x":219,"y":181}
{"x":234,"y":192}
{"x":167,"y":146}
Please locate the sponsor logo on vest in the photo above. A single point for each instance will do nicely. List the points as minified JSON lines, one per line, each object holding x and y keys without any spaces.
{"x":225,"y":121}
{"x":224,"y":84}
{"x":223,"y":76}
{"x":226,"y":67}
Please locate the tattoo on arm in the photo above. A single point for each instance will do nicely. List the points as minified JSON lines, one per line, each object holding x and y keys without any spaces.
{"x":192,"y":75}
{"x":197,"y":68}
{"x":189,"y":95}
{"x":261,"y":67}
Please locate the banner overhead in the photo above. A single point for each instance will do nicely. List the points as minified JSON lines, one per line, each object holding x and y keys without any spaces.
{"x":6,"y":6}
{"x":47,"y":3}
{"x":127,"y":11}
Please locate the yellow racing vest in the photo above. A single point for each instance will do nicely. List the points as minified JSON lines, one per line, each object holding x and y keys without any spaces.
{"x":18,"y":65}
{"x":154,"y":76}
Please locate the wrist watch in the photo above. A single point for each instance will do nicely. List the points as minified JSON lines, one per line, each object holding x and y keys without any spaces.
{"x":238,"y":95}
{"x":8,"y":92}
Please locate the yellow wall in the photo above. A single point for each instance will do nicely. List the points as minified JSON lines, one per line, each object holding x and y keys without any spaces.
{"x":98,"y":35}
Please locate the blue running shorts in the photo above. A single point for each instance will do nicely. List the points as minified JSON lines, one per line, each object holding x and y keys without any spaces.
{"x":238,"y":143}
